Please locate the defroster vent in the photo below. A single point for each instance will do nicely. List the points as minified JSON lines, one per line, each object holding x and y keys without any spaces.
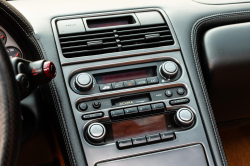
{"x":109,"y":41}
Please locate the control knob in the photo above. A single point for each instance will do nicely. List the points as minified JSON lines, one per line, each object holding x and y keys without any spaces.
{"x":83,"y":82}
{"x":96,"y":132}
{"x":169,"y":69}
{"x":184,"y":117}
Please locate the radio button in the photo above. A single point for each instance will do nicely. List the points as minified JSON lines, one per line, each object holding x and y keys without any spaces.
{"x":139,"y":141}
{"x":117,"y":113}
{"x":131,"y":111}
{"x":105,"y":87}
{"x":167,"y":136}
{"x":129,"y":83}
{"x":97,"y":104}
{"x":117,"y":85}
{"x":152,"y":80}
{"x":92,"y":116}
{"x":124,"y":144}
{"x":82,"y":107}
{"x":142,"y":81}
{"x":181,"y":91}
{"x":158,"y":107}
{"x":153,"y":138}
{"x":179,"y":101}
{"x":144,"y":109}
{"x":169,"y":93}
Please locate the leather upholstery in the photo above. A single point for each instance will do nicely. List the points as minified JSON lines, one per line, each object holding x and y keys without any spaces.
{"x":198,"y":30}
{"x":10,"y":116}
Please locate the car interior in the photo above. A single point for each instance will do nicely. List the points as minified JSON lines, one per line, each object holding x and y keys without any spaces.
{"x":124,"y":83}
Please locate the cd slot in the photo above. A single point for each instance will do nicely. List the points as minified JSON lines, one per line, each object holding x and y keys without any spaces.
{"x":128,"y":100}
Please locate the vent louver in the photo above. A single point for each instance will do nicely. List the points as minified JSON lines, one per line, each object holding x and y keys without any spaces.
{"x":100,"y":42}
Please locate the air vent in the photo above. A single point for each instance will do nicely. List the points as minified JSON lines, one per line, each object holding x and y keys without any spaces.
{"x":100,"y":42}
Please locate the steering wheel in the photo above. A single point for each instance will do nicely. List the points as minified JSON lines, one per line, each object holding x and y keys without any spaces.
{"x":10,"y":114}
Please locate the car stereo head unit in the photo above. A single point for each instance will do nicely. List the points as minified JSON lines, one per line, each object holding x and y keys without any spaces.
{"x":124,"y":77}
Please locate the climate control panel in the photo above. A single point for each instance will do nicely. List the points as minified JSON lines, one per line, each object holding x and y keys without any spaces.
{"x":140,"y":125}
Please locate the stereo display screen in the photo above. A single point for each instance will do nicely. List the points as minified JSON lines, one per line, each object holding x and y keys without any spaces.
{"x":109,"y":22}
{"x":125,"y":75}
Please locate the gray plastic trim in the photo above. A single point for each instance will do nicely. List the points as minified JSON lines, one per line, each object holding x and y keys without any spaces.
{"x":96,"y":154}
{"x":150,"y":18}
{"x":192,"y":155}
{"x":84,"y":59}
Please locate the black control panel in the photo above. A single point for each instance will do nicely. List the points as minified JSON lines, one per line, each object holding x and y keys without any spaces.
{"x":133,"y":102}
{"x":144,"y":140}
{"x":139,"y":126}
{"x":98,"y":81}
{"x":111,"y":102}
{"x":135,"y":111}
{"x":137,"y":118}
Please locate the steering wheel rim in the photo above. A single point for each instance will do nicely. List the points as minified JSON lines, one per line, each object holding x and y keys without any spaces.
{"x":10,"y":115}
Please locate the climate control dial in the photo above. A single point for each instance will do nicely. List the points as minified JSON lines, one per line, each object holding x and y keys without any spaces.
{"x":83,"y":82}
{"x":184,"y":117}
{"x":169,"y":69}
{"x":96,"y":132}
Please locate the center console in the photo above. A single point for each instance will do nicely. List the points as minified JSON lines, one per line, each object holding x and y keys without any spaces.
{"x":130,"y":90}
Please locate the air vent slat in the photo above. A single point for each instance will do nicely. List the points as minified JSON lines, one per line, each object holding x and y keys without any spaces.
{"x":141,"y":29}
{"x":87,"y":51}
{"x":132,"y":40}
{"x":71,"y":47}
{"x":146,"y":33}
{"x":86,"y":40}
{"x":82,"y":46}
{"x":141,"y":39}
{"x":146,"y":44}
{"x":89,"y":35}
{"x":115,"y":40}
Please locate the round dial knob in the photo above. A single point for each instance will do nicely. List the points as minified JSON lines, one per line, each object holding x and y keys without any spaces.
{"x":84,"y":82}
{"x":96,"y":132}
{"x":184,"y":117}
{"x":169,"y":69}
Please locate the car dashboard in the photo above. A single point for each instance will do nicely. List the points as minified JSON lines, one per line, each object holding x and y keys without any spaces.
{"x":135,"y":78}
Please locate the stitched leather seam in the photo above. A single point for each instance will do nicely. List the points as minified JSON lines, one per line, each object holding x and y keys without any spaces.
{"x":27,"y":26}
{"x":61,"y":118}
{"x":15,"y":21}
{"x":198,"y":68}
{"x":62,"y":123}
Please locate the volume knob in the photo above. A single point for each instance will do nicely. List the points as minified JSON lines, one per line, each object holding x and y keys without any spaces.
{"x":169,"y":69}
{"x":184,"y":117}
{"x":83,"y":82}
{"x":96,"y":132}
